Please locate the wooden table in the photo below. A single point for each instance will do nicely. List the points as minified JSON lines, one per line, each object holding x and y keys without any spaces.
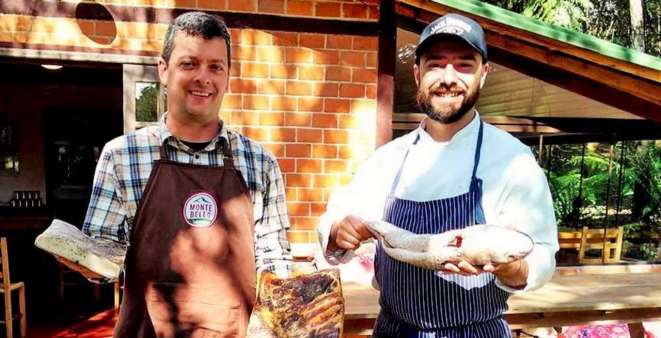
{"x":565,"y":300}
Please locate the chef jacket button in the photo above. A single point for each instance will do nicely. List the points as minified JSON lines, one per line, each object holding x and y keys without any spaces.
{"x":197,"y":156}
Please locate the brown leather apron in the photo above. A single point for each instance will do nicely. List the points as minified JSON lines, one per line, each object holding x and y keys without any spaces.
{"x":190,"y":267}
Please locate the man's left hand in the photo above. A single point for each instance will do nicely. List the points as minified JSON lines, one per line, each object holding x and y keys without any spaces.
{"x":514,"y":275}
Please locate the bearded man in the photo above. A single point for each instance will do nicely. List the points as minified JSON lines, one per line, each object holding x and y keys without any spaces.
{"x":452,"y":172}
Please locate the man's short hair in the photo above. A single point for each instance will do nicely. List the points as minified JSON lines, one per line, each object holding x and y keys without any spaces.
{"x":197,"y":24}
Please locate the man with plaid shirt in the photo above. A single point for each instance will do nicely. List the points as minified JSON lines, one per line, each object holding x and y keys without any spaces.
{"x":201,"y":207}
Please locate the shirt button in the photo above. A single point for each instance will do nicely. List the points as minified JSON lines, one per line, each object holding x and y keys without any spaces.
{"x":197,"y":156}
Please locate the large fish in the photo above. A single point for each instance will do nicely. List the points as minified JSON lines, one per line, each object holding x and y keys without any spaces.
{"x":478,"y":245}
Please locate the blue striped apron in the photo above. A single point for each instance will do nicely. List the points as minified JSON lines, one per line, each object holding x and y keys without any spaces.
{"x":417,"y":302}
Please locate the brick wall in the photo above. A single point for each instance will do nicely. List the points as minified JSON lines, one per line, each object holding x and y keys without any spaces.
{"x":310,"y":98}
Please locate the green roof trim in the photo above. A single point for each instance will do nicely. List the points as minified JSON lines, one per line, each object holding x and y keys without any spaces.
{"x":571,"y":37}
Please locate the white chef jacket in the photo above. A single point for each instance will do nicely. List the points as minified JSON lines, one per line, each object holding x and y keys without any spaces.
{"x":515,"y":189}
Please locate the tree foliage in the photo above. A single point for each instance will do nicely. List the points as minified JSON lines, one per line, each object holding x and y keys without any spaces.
{"x":146,"y":105}
{"x":605,"y":19}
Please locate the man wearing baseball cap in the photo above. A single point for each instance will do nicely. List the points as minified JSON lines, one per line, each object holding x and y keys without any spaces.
{"x":452,"y":172}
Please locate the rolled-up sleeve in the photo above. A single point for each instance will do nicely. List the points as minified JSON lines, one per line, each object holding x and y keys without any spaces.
{"x":527,"y":205}
{"x":272,"y":250}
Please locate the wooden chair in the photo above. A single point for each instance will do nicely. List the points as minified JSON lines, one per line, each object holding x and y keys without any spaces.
{"x":608,"y":241}
{"x":7,"y":288}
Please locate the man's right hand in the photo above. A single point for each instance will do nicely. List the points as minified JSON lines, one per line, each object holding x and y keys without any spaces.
{"x":348,"y":234}
{"x":77,"y":267}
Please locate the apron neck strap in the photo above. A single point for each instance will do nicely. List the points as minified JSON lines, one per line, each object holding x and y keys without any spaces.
{"x":478,"y":150}
{"x":228,"y":160}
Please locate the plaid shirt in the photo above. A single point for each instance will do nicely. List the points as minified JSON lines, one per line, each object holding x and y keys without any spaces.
{"x":126,"y":163}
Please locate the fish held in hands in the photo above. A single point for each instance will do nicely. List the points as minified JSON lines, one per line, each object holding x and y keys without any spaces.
{"x":478,"y":244}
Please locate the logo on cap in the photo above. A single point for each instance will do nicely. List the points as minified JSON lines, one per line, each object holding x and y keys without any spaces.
{"x":451,"y":26}
{"x":200,"y":210}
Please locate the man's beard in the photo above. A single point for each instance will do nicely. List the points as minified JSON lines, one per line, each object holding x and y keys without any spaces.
{"x":446,"y":114}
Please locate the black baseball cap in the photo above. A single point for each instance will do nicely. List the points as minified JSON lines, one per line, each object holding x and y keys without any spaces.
{"x":451,"y":25}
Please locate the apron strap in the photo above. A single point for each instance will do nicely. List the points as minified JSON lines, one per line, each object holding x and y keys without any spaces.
{"x":228,"y":159}
{"x":164,"y":153}
{"x":476,"y":183}
{"x":401,"y":167}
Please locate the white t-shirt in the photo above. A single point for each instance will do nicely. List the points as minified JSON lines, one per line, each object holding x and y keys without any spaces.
{"x":515,"y":189}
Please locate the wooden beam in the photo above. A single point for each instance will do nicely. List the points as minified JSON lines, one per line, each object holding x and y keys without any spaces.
{"x":386,"y":72}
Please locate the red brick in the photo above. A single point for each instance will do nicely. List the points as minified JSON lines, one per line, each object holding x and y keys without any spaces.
{"x":373,"y":12}
{"x":338,"y":42}
{"x":231,"y":101}
{"x":244,"y":118}
{"x":298,"y":119}
{"x":255,"y":133}
{"x":365,"y":76}
{"x":298,"y":55}
{"x":298,"y":180}
{"x":311,"y":73}
{"x":251,"y":69}
{"x":294,"y":208}
{"x":307,"y":223}
{"x":324,"y":181}
{"x":211,"y":4}
{"x":324,"y":151}
{"x":355,"y":59}
{"x":256,"y":37}
{"x":300,"y":7}
{"x":312,"y":40}
{"x":349,"y":122}
{"x":326,"y":57}
{"x":309,"y":166}
{"x":224,"y":116}
{"x":336,"y":136}
{"x":338,"y":74}
{"x":283,"y":103}
{"x":324,"y":120}
{"x":283,"y":135}
{"x":298,"y":236}
{"x":372,"y":60}
{"x":350,"y":152}
{"x":336,"y":106}
{"x":352,"y":90}
{"x":248,"y":53}
{"x":285,"y":39}
{"x":271,"y":87}
{"x":317,"y":209}
{"x":328,"y":10}
{"x":354,"y":11}
{"x":309,"y":135}
{"x":236,"y":35}
{"x":255,"y":102}
{"x":371,"y":91}
{"x":271,"y":54}
{"x":363,"y":106}
{"x":278,"y":150}
{"x":311,"y":195}
{"x":291,"y":193}
{"x":241,"y":5}
{"x":298,"y":150}
{"x":272,"y":119}
{"x":310,"y":104}
{"x":336,"y":166}
{"x":287,"y":165}
{"x":326,"y":89}
{"x":243,"y":86}
{"x":235,"y":69}
{"x":271,"y":6}
{"x":299,"y":88}
{"x":280,"y":71}
{"x":365,"y":43}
